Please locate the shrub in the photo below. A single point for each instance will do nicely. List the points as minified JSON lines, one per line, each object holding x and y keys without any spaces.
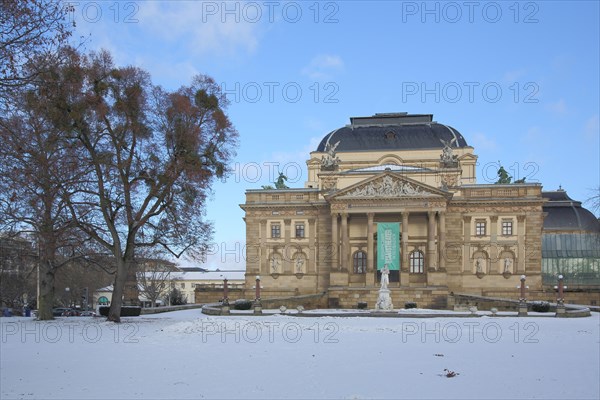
{"x":540,"y":306}
{"x":126,"y":311}
{"x":362,"y":305}
{"x":410,"y":304}
{"x":242,"y":304}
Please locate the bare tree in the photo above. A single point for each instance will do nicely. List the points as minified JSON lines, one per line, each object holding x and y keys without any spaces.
{"x":155,"y":278}
{"x":37,"y":163}
{"x":594,"y":201}
{"x":153,"y":156}
{"x":30,"y":30}
{"x":18,"y":263}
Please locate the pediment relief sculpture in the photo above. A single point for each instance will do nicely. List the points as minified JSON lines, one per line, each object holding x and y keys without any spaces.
{"x":388,"y":187}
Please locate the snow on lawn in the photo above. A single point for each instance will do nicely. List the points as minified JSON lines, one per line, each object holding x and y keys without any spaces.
{"x":185,"y":354}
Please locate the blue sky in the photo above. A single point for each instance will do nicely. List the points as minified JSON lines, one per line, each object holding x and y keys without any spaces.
{"x":519,"y":80}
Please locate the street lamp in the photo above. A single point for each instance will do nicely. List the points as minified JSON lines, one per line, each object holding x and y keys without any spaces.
{"x":68,"y":290}
{"x":522,"y":299}
{"x":257,"y":302}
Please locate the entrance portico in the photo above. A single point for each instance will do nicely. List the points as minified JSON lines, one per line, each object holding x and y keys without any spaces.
{"x":388,"y":197}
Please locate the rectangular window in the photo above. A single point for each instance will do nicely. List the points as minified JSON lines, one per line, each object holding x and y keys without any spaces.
{"x":480,"y":228}
{"x":507,"y":228}
{"x":299,"y":230}
{"x":183,"y":285}
{"x":275,"y":230}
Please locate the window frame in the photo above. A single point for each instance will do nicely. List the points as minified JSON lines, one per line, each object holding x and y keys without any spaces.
{"x":416,"y":262}
{"x":275,"y":230}
{"x":507,"y":228}
{"x":359,"y":262}
{"x":302,"y":230}
{"x":480,"y":228}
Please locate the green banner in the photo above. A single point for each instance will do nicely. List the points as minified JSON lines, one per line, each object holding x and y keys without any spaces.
{"x":388,"y":240}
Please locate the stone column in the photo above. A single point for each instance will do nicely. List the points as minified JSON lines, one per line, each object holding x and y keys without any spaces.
{"x":467,"y":246}
{"x":431,"y":253}
{"x":404,"y":248}
{"x":521,"y":257}
{"x":370,"y":278}
{"x":335,"y":245}
{"x":263,"y":264}
{"x":493,"y":245}
{"x":288,"y":251}
{"x":442,"y":240}
{"x":310,"y":263}
{"x":345,"y":243}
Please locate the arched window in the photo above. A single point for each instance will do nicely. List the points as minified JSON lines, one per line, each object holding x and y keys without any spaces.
{"x":417,"y":262}
{"x":360,"y":262}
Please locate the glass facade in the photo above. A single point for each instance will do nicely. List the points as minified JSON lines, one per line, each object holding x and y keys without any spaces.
{"x":574,"y":255}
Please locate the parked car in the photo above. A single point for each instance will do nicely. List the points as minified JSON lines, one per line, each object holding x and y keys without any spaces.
{"x":57,"y":312}
{"x":87,"y":314}
{"x":70,"y":313}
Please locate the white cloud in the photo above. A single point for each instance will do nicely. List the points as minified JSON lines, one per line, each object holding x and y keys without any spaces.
{"x":323,"y":67}
{"x":202,"y":31}
{"x":559,"y":107}
{"x":514,"y":75}
{"x":482,"y":142}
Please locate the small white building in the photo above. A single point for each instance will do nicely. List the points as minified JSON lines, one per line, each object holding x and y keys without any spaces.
{"x":186,"y":282}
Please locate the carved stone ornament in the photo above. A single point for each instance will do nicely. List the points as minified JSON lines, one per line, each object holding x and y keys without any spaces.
{"x":387,"y":187}
{"x":329,"y":183}
{"x":330,"y":161}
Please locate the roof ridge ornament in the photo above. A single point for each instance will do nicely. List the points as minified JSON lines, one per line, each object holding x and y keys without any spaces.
{"x":330,"y":161}
{"x":448,"y":159}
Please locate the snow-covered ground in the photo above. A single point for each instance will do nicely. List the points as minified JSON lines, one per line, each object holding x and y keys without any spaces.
{"x":185,"y":354}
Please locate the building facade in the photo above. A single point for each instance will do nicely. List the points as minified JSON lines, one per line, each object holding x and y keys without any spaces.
{"x":456,"y":236}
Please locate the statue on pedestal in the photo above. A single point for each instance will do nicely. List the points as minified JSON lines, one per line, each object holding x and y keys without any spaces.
{"x":384,"y":301}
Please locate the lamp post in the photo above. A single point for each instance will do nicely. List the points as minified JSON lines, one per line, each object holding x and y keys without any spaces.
{"x":68,"y":290}
{"x":560,"y":301}
{"x":522,"y":299}
{"x":225,"y":306}
{"x":257,"y":303}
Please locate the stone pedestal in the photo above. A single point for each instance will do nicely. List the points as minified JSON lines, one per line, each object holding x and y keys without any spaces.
{"x":225,"y":310}
{"x":522,"y":309}
{"x":560,"y":310}
{"x":257,"y":307}
{"x":384,"y":300}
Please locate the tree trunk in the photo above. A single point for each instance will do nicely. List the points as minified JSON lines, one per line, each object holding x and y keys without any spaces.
{"x":46,"y":301}
{"x":114,"y":313}
{"x":131,"y":289}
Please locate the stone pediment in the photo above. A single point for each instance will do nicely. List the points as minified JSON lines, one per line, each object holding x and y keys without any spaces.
{"x":388,"y":185}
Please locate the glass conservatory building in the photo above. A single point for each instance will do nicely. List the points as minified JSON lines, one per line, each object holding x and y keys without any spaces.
{"x":570,"y":242}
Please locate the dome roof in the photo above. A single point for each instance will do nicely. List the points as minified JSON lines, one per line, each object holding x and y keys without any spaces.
{"x":566,"y":214}
{"x":397,"y":131}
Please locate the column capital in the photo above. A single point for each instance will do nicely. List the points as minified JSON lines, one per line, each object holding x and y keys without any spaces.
{"x":370,"y":215}
{"x":521,"y":218}
{"x":494,"y":218}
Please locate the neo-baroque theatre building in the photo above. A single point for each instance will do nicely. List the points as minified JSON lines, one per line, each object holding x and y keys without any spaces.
{"x":455,"y":236}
